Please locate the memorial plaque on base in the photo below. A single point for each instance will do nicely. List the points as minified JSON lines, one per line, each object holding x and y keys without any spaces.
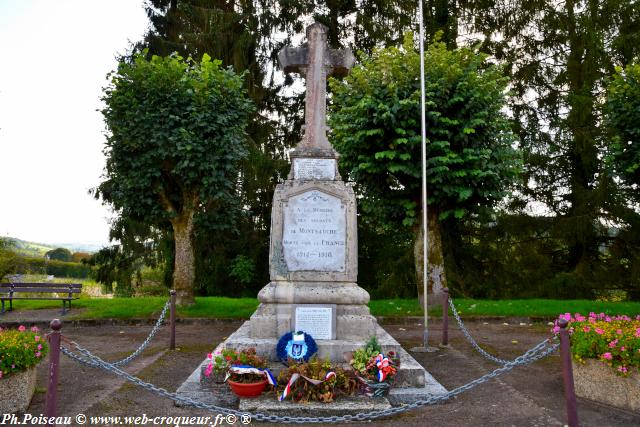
{"x":319,"y":321}
{"x":314,"y":232}
{"x":314,"y":169}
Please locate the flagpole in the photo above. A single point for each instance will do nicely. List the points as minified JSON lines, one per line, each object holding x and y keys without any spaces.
{"x":425,"y":240}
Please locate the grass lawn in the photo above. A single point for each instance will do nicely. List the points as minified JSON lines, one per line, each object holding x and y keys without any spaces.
{"x":242,"y":308}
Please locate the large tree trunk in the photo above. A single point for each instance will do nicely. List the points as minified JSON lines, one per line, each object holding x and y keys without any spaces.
{"x":436,"y":278}
{"x":184,"y":272}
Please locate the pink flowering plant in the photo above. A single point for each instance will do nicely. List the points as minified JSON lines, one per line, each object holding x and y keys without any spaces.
{"x":613,"y":340}
{"x":21,"y":349}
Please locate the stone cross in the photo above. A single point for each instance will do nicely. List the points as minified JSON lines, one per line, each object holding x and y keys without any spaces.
{"x":316,"y":60}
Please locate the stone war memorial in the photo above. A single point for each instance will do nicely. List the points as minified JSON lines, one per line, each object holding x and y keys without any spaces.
{"x":314,"y":258}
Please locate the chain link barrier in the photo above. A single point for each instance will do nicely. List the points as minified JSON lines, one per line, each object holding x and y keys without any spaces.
{"x":471,"y":340}
{"x":538,"y":352}
{"x":144,"y":345}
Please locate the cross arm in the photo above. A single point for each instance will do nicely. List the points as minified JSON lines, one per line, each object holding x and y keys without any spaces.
{"x":341,"y":61}
{"x":293,"y":59}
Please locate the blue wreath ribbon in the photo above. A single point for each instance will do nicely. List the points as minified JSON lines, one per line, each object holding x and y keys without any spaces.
{"x":291,"y":347}
{"x":246,"y":369}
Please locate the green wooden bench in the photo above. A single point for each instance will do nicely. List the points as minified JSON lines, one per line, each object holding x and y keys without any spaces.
{"x":21,"y":291}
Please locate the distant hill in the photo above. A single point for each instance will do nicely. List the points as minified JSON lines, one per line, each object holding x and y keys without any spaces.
{"x":33,"y":249}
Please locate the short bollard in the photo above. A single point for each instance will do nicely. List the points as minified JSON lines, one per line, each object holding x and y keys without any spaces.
{"x":567,"y":375}
{"x":445,"y":317}
{"x":51,"y":404}
{"x":172,"y":320}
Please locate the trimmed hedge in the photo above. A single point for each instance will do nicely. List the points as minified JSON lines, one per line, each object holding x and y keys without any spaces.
{"x":26,"y":265}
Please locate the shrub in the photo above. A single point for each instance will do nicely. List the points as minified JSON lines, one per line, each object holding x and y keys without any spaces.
{"x":26,"y":265}
{"x":613,"y":340}
{"x":20,"y":349}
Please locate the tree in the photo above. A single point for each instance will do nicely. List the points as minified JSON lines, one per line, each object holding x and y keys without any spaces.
{"x":375,"y":117}
{"x":176,"y":132}
{"x":623,"y":108}
{"x":8,"y":257}
{"x":59,"y":254}
{"x":559,"y":55}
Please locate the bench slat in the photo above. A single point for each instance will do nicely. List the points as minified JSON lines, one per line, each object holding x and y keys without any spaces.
{"x":44,"y":290}
{"x":41,"y":285}
{"x":44,"y":298}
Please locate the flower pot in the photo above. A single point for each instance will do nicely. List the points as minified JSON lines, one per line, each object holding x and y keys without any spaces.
{"x":248,"y":389}
{"x":373,"y":388}
{"x":596,"y":381}
{"x":16,"y":391}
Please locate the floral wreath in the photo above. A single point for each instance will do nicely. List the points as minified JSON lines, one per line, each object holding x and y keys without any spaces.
{"x":297,"y":346}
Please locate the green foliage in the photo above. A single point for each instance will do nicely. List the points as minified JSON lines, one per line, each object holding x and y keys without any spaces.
{"x":385,"y":261}
{"x":376,"y":128}
{"x":623,"y":112}
{"x":26,"y":265}
{"x":21,"y":349}
{"x":7,"y":258}
{"x":242,"y":269}
{"x":60,"y":254}
{"x":176,"y":136}
{"x":176,"y":132}
{"x":111,"y":265}
{"x":363,"y":355}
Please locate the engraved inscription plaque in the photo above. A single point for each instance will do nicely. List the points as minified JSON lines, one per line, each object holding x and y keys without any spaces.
{"x":317,"y":321}
{"x":314,"y":232}
{"x":314,"y":168}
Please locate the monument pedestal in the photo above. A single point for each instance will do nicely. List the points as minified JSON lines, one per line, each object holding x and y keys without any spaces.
{"x":313,"y":254}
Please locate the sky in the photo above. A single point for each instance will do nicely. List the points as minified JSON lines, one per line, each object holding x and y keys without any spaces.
{"x":54,"y":58}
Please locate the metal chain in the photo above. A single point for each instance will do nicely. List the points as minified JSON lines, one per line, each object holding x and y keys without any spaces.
{"x":536,"y":353}
{"x":146,"y":342}
{"x":473,"y":341}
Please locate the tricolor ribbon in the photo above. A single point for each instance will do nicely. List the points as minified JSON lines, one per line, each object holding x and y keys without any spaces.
{"x":246,"y":369}
{"x":294,"y":378}
{"x":382,"y":362}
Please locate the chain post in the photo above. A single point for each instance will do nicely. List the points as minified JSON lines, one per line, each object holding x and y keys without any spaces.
{"x":567,"y":374}
{"x":54,"y":362}
{"x":445,"y":317}
{"x":172,"y":320}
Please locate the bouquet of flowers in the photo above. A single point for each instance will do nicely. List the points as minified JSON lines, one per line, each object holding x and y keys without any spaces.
{"x":375,"y":370}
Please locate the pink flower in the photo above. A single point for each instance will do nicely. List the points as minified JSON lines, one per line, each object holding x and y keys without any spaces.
{"x":580,"y":318}
{"x":599,"y":331}
{"x":1,"y":373}
{"x":209,"y":370}
{"x":607,"y":356}
{"x":619,"y":332}
{"x":209,"y":356}
{"x":556,"y":329}
{"x":586,"y":329}
{"x":35,"y":329}
{"x":607,"y":319}
{"x":622,"y":369}
{"x":39,"y":346}
{"x":21,"y":328}
{"x":566,"y":316}
{"x":13,"y":366}
{"x":217,"y":352}
{"x":37,"y":337}
{"x":38,"y":354}
{"x":637,"y":334}
{"x":613,"y":343}
{"x":623,"y":348}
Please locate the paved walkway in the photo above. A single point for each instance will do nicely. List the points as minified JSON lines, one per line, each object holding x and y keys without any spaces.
{"x":527,"y":396}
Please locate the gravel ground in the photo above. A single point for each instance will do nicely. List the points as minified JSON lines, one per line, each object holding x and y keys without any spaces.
{"x":527,"y":396}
